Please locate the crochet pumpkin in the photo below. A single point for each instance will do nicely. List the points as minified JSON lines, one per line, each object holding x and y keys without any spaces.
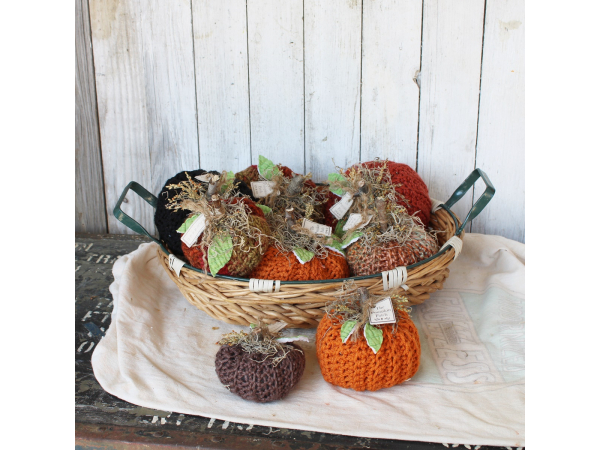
{"x":244,"y":257}
{"x":168,"y":221}
{"x":409,"y":186}
{"x":259,"y":366}
{"x":356,"y":365}
{"x":284,"y":266}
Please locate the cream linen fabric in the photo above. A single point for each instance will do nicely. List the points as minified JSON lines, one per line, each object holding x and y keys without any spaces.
{"x":159,"y":353}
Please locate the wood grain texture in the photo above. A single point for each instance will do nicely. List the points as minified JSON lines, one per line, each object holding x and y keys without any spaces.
{"x":450,"y":74}
{"x":501,"y":137}
{"x":332,"y":52}
{"x":275,"y":57}
{"x":391,"y":58}
{"x":221,"y":54}
{"x":90,"y":209}
{"x":146,"y":97}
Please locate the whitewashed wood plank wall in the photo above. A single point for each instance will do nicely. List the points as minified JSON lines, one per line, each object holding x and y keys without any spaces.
{"x":169,"y":86}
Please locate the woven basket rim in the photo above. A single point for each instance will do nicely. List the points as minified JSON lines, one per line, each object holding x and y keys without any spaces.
{"x":335,"y":280}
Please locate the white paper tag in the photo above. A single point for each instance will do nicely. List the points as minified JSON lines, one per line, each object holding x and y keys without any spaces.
{"x":382,"y":312}
{"x":205,"y":178}
{"x":316,"y":228}
{"x":192,"y":234}
{"x":175,"y":264}
{"x":262,"y":188}
{"x":340,"y":208}
{"x":356,"y":219}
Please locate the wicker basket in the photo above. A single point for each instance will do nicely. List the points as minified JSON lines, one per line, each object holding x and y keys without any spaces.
{"x":301,"y":303}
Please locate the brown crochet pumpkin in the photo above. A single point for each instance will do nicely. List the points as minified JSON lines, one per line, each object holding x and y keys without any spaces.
{"x":367,"y":260}
{"x":284,"y":266}
{"x":244,"y":258}
{"x":354,"y":365}
{"x":255,"y":378}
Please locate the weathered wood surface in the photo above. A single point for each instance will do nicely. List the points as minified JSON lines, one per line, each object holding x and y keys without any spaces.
{"x":391,"y":59}
{"x":332,"y":52}
{"x":501,"y":136}
{"x":119,"y":422}
{"x":276,"y":74}
{"x":450,"y":74}
{"x":221,"y":55}
{"x":146,"y":97}
{"x":215,"y":84}
{"x":90,"y":208}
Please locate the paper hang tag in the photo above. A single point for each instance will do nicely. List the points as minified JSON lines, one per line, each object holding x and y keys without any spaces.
{"x":205,"y":178}
{"x":316,"y":228}
{"x":175,"y":264}
{"x":354,"y":220}
{"x":382,"y":312}
{"x":192,"y":234}
{"x":341,"y":208}
{"x":262,"y":188}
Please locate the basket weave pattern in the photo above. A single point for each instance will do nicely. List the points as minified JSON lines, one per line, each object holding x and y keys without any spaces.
{"x":302,"y":305}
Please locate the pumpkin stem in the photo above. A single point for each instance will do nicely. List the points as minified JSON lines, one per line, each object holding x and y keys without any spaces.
{"x":289,"y":217}
{"x":382,"y":216}
{"x":295,"y":186}
{"x":217,"y":204}
{"x":363,"y":188}
{"x":212,"y":186}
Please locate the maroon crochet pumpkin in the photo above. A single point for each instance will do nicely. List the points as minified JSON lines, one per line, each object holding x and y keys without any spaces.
{"x":254,"y":377}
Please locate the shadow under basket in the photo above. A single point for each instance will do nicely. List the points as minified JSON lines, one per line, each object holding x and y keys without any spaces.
{"x":301,"y":304}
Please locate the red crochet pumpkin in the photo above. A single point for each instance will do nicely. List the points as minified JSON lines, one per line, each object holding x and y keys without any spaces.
{"x":244,"y":258}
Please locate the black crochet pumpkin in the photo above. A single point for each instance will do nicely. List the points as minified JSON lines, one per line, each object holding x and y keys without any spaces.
{"x":168,"y":221}
{"x":255,"y":378}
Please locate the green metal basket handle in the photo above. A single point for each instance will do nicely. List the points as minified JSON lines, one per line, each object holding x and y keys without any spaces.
{"x":480,"y":204}
{"x":127,"y":220}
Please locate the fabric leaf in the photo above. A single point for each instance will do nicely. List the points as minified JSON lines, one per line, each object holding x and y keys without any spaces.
{"x":266,"y":168}
{"x":352,"y":238}
{"x":228,"y":181}
{"x":265,"y":209}
{"x":336,"y":246}
{"x":303,"y":255}
{"x":339,"y":228}
{"x":188,"y":223}
{"x":219,"y":253}
{"x":374,"y":337}
{"x":336,"y":177}
{"x":347,"y":329}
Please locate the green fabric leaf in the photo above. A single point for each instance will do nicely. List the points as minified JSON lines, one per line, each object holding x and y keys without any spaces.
{"x":355,"y":236}
{"x":339,"y":228}
{"x":228,"y":181}
{"x":346,"y":329}
{"x":266,"y":168}
{"x":303,"y":255}
{"x":265,"y":209}
{"x":374,"y":337}
{"x":336,"y":245}
{"x":337,"y":177}
{"x":188,"y":223}
{"x":219,"y":253}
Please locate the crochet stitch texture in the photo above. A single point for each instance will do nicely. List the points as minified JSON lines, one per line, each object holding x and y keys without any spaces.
{"x":276,"y":265}
{"x":354,"y":365}
{"x":168,"y":221}
{"x":259,"y":381}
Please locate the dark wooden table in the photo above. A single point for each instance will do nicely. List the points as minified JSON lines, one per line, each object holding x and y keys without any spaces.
{"x":106,"y":422}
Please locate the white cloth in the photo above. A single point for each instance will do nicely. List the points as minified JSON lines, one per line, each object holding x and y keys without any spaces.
{"x":159,"y":353}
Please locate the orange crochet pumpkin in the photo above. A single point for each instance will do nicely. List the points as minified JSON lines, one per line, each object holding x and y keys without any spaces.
{"x":354,"y":365}
{"x":284,"y":266}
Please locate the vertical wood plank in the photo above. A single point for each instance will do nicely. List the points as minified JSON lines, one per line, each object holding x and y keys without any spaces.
{"x":501,"y":136}
{"x":332,"y":52}
{"x":221,"y":54}
{"x":275,"y":58}
{"x":146,"y":97}
{"x":90,"y":209}
{"x":450,"y":74}
{"x":390,"y":96}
